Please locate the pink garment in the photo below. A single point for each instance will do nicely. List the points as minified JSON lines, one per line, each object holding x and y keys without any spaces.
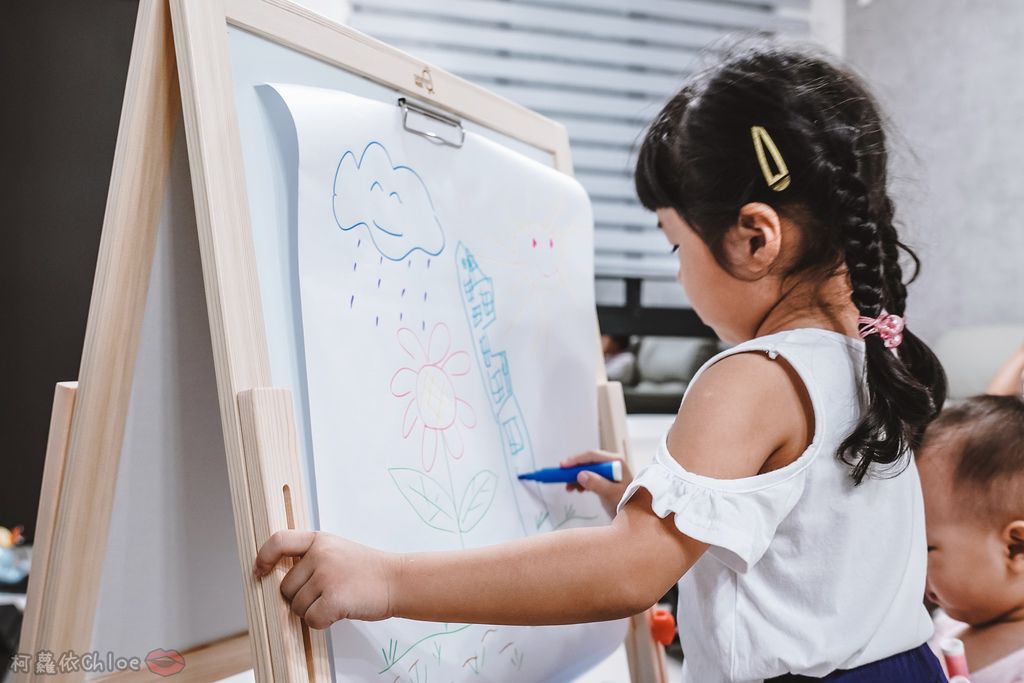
{"x":1009,"y":669}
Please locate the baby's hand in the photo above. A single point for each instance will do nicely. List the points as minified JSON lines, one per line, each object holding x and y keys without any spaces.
{"x":610,"y":492}
{"x":334,"y":579}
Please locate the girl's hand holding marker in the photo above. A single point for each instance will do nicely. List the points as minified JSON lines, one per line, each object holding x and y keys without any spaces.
{"x":609,"y":490}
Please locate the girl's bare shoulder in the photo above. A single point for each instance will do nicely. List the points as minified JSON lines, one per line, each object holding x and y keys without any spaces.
{"x":742,"y":413}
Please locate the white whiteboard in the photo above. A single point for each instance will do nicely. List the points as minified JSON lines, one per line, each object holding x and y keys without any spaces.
{"x":170,"y":577}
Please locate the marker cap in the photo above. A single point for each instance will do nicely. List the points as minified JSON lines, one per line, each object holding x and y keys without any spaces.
{"x":953,"y":653}
{"x":952,"y":646}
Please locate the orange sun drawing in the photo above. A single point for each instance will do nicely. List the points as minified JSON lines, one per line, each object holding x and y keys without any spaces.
{"x":433,"y":402}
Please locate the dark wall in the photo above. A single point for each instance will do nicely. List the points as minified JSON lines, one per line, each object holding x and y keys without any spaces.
{"x":63,"y":65}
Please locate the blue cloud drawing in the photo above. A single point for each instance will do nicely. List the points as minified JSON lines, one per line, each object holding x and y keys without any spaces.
{"x":389,"y":200}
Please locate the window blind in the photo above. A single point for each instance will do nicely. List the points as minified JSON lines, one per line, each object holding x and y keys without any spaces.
{"x":603,"y":68}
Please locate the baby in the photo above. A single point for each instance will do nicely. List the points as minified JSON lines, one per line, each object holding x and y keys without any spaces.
{"x":972,"y":473}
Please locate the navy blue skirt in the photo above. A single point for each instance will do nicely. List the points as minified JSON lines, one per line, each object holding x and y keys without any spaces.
{"x":914,"y":666}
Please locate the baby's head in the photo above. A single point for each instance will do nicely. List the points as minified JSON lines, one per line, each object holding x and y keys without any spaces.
{"x":972,"y":472}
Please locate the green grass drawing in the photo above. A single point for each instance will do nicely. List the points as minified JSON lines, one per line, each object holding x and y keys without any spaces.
{"x":570,"y":514}
{"x":391,"y":657}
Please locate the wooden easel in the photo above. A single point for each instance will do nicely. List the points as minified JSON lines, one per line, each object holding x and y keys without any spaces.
{"x":88,"y":421}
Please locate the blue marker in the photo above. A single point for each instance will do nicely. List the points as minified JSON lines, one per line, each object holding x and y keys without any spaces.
{"x":567,"y":475}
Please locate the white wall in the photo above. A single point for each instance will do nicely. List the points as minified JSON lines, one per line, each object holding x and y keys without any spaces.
{"x":948,"y":74}
{"x":828,"y":24}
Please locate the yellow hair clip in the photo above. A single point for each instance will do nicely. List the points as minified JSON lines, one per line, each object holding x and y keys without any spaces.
{"x":777,"y":181}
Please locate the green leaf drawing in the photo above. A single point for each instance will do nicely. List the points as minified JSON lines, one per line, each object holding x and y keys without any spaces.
{"x":428,"y":499}
{"x":477,"y":499}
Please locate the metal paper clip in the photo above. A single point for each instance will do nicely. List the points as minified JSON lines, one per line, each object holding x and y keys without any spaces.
{"x":420,"y":120}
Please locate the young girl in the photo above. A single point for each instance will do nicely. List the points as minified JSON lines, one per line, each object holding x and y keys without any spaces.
{"x":783,"y":499}
{"x":972,"y":471}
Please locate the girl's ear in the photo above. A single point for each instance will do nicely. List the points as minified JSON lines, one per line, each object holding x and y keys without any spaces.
{"x":752,"y":246}
{"x":1013,"y":537}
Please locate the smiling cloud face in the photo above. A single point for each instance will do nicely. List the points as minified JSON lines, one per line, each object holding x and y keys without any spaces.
{"x":389,"y":201}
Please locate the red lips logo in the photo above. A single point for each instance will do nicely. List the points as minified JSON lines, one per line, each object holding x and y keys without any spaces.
{"x":165,"y":662}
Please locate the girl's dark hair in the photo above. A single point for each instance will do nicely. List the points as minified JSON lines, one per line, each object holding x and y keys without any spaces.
{"x":698,"y":158}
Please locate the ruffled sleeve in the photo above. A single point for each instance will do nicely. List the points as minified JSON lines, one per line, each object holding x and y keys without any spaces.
{"x":738,"y":518}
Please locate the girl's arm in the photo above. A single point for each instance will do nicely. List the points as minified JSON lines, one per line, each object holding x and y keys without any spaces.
{"x":744,"y":414}
{"x":569,"y":576}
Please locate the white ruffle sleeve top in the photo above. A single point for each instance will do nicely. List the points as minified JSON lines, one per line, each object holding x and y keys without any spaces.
{"x":806,"y":573}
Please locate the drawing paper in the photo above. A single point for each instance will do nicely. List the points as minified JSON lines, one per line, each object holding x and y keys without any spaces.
{"x":449,"y":327}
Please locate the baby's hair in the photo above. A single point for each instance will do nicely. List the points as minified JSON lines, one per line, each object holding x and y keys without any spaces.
{"x":983,"y":438}
{"x":698,"y":158}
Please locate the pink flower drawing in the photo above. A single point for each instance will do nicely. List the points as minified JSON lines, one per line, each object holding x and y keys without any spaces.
{"x":433,"y":404}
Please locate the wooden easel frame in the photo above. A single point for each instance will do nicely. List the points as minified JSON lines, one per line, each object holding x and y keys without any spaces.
{"x":88,"y":422}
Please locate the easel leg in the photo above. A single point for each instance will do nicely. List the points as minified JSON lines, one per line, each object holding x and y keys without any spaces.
{"x":53,"y":474}
{"x":67,"y":594}
{"x":64,"y":591}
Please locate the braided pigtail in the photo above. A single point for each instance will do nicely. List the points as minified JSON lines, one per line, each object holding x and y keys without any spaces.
{"x":906,"y":389}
